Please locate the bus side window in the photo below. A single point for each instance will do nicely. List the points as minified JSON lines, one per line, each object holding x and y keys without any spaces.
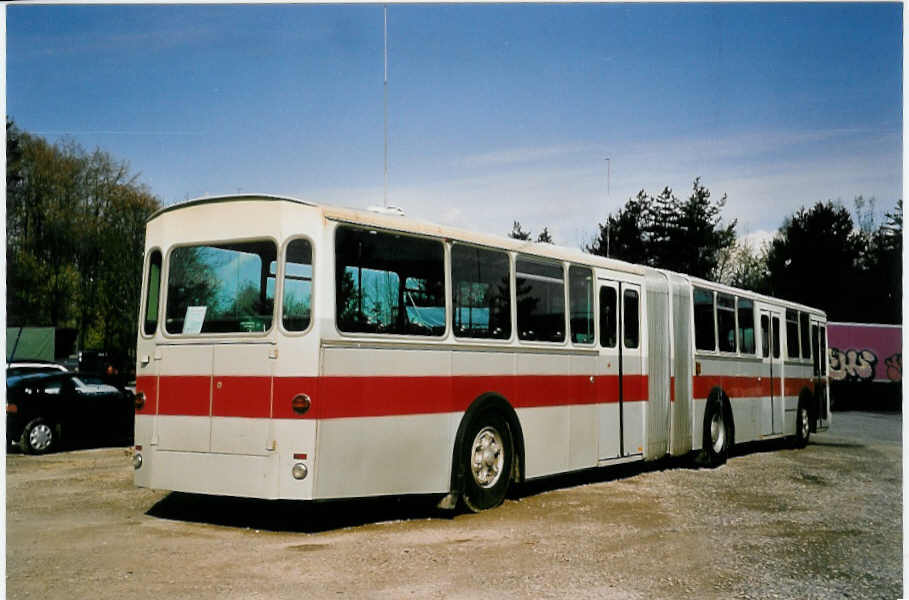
{"x":540,"y":298}
{"x":152,"y":293}
{"x":580,"y":298}
{"x":631,"y":319}
{"x":765,"y":336}
{"x":389,"y":283}
{"x":746,"y":325}
{"x":608,"y":317}
{"x":297,"y":304}
{"x":817,"y":359}
{"x":776,"y":337}
{"x":806,"y":341}
{"x":822,"y":350}
{"x":481,"y":292}
{"x":704,"y":322}
{"x":725,"y":322}
{"x":792,"y":334}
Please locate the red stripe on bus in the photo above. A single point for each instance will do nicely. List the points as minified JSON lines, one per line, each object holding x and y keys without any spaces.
{"x":747,"y":387}
{"x":339,"y":397}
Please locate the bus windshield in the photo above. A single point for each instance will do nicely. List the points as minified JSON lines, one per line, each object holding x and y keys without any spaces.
{"x":222,"y":288}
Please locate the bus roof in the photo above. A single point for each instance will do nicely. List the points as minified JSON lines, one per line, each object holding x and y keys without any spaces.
{"x":420,"y":227}
{"x":405,"y":224}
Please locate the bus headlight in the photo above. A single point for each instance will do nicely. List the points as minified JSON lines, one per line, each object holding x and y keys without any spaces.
{"x":299,"y":471}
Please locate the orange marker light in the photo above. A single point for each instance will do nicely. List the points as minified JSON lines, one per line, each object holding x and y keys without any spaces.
{"x":300,"y":404}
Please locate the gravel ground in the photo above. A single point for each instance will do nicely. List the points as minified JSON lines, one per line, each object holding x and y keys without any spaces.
{"x":822,"y":522}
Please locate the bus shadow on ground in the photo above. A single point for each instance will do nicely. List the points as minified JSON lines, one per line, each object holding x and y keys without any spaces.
{"x":294,"y":516}
{"x":317,"y":517}
{"x":625,"y":471}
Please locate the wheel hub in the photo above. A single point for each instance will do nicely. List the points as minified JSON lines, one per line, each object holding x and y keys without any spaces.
{"x":717,"y":432}
{"x":40,"y":437}
{"x":488,"y":457}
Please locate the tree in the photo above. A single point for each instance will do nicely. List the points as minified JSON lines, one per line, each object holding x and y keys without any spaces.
{"x":663,"y":231}
{"x":622,"y":235}
{"x":882,"y":296}
{"x":743,"y":267}
{"x":42,"y":193}
{"x":698,"y":237}
{"x":75,"y":238}
{"x":518,"y":233}
{"x":815,"y":259}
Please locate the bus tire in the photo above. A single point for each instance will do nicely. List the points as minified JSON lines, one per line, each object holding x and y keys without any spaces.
{"x":717,"y":431}
{"x":488,"y":457}
{"x":802,"y":425}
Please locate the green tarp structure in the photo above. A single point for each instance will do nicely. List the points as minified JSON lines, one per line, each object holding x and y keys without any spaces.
{"x":29,"y":343}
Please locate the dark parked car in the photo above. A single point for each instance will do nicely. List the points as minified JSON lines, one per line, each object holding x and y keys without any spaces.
{"x":25,"y":367}
{"x":43,"y":410}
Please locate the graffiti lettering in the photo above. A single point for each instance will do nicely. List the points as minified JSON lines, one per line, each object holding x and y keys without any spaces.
{"x":852,"y":365}
{"x":895,"y":367}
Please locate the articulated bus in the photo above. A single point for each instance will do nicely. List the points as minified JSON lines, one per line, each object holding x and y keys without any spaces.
{"x":288,"y":350}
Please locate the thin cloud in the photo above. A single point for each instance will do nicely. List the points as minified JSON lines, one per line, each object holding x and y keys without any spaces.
{"x":763,"y":181}
{"x":514,"y":156}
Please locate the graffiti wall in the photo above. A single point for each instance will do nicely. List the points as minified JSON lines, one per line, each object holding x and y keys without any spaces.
{"x":860,"y":352}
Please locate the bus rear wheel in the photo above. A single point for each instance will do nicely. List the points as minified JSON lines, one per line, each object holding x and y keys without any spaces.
{"x":716,"y":432}
{"x":802,"y":426}
{"x":489,"y":459}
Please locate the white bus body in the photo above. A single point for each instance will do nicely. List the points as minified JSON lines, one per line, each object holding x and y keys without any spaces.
{"x":295,"y":351}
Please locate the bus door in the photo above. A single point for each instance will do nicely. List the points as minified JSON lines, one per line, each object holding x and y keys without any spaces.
{"x":215,"y":372}
{"x":241,"y":398}
{"x":216,"y":397}
{"x":621,"y":390}
{"x":819,"y":351}
{"x":773,"y":405}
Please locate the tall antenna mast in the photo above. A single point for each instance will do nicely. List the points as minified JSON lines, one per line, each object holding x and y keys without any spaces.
{"x":385,"y":95}
{"x":608,"y":177}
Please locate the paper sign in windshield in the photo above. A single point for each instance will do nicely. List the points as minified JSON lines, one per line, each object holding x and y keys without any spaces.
{"x":195,"y":316}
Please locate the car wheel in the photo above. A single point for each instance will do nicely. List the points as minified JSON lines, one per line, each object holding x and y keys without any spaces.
{"x":37,"y":437}
{"x":488,"y":456}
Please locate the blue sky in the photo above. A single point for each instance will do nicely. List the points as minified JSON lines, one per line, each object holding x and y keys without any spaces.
{"x":496,"y":112}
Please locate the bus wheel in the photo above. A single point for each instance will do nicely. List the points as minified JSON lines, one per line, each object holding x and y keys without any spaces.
{"x":489,"y":457}
{"x":802,"y":426}
{"x":716,"y":433}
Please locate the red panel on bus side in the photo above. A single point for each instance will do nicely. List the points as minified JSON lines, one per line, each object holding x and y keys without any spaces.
{"x":184,"y":395}
{"x":148,"y":385}
{"x":607,"y":389}
{"x":339,"y":397}
{"x":241,"y":397}
{"x":747,"y":387}
{"x":735,"y":387}
{"x":634,"y":388}
{"x":795,"y":385}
